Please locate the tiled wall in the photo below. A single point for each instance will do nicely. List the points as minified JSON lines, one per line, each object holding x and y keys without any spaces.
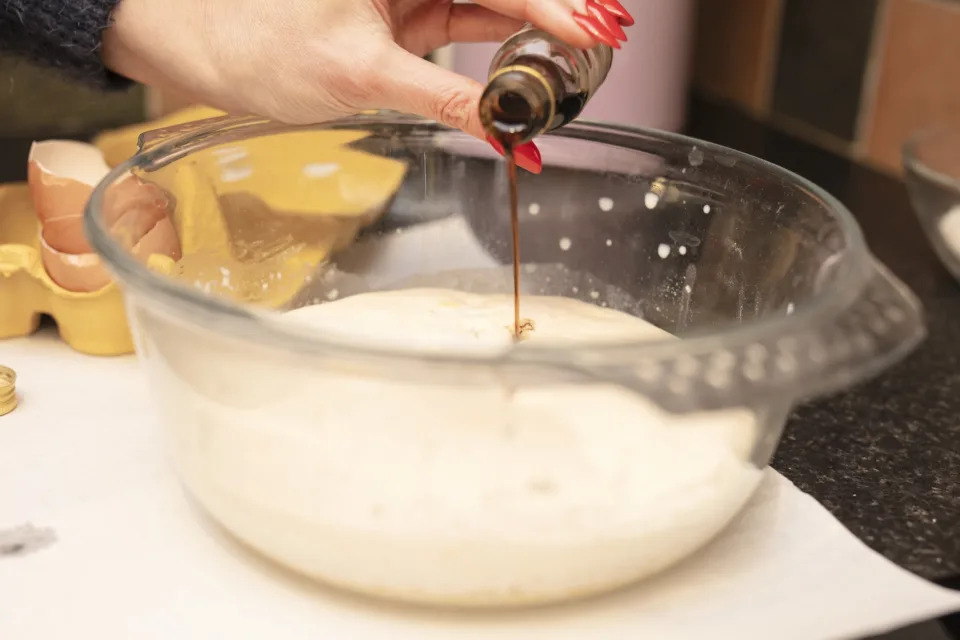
{"x":37,"y":102}
{"x":855,"y":76}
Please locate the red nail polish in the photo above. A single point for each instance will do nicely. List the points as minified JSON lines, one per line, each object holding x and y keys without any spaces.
{"x":618,"y":11}
{"x":496,"y":145}
{"x":595,"y":9}
{"x":596,"y":29}
{"x":527,"y":156}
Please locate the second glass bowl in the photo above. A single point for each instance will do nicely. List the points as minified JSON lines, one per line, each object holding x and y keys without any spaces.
{"x":931,"y":161}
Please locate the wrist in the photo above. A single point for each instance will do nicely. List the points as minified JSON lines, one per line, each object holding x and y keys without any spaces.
{"x":139,"y":45}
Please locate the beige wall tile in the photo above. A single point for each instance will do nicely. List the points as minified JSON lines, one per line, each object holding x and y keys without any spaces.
{"x":919,"y":77}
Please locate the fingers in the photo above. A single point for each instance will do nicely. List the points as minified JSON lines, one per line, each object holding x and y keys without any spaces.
{"x":555,"y":16}
{"x":581,"y":23}
{"x":414,"y":85}
{"x":473,"y":23}
{"x":618,"y":11}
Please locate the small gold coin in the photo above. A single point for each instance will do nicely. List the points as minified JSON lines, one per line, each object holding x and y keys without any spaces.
{"x":8,"y":390}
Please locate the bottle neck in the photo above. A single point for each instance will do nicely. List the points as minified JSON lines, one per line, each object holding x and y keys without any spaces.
{"x":518,"y":104}
{"x":538,"y":83}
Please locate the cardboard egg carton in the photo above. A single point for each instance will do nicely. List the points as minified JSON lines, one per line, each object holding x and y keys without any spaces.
{"x":90,"y":322}
{"x":332,"y":188}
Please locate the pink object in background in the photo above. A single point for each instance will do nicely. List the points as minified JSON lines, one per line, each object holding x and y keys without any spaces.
{"x":647,"y":85}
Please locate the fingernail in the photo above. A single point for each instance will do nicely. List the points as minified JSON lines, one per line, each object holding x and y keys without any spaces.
{"x":618,"y":11}
{"x":496,"y":145}
{"x":596,"y":29}
{"x":608,"y":20}
{"x":526,"y":155}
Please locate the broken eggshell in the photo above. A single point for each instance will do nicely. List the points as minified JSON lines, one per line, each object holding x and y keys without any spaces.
{"x":61,"y":176}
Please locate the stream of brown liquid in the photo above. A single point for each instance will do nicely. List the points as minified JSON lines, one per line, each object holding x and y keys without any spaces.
{"x":511,"y":117}
{"x":515,"y":231}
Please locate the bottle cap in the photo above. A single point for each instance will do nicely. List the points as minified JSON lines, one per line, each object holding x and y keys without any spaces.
{"x":8,"y":390}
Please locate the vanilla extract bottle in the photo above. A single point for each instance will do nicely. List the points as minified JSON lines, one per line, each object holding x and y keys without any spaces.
{"x":538,"y":83}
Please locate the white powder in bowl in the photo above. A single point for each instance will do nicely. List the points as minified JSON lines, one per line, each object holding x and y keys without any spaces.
{"x":471,"y":491}
{"x":950,"y":230}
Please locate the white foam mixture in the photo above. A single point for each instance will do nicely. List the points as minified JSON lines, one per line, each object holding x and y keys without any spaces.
{"x":409,"y":484}
{"x":950,"y":229}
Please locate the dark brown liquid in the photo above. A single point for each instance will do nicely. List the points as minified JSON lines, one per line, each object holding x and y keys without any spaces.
{"x":512,"y":120}
{"x":515,"y":231}
{"x":520,"y":326}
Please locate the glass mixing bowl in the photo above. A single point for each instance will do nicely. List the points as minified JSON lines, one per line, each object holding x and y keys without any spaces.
{"x":931,"y":161}
{"x":535,"y":474}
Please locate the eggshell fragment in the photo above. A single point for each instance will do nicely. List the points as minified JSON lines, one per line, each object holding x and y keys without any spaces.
{"x":84,"y":272}
{"x":61,"y":177}
{"x":81,"y":272}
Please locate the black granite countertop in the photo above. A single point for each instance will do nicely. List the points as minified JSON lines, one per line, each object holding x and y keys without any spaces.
{"x":884,"y":458}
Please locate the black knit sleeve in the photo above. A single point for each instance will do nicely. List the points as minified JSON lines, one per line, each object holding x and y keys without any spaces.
{"x":63,"y":34}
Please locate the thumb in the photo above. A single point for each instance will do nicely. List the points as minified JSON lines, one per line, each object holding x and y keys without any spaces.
{"x":414,"y":85}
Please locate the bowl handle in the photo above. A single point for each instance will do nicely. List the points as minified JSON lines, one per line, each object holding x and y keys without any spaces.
{"x":195,"y":131}
{"x":219,"y":125}
{"x":878,"y":328}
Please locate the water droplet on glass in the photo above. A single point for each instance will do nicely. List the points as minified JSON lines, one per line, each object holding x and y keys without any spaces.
{"x":663,"y":250}
{"x":320,"y":169}
{"x":682,"y":237}
{"x":236,"y":174}
{"x":565,"y":244}
{"x":606,"y":204}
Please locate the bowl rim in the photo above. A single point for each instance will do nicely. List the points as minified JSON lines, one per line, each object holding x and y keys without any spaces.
{"x":910,"y":154}
{"x":261,"y":327}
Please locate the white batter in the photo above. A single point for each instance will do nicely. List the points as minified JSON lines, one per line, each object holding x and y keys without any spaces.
{"x":404,"y":482}
{"x":451,"y":322}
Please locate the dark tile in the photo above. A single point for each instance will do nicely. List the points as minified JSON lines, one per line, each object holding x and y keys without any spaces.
{"x":824,"y":45}
{"x":735,"y":42}
{"x":37,"y":102}
{"x":162,"y":102}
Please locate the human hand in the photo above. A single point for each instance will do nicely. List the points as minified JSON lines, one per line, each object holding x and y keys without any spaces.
{"x":307,"y":61}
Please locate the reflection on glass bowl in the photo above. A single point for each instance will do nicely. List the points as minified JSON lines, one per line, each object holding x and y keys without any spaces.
{"x":931,"y":161}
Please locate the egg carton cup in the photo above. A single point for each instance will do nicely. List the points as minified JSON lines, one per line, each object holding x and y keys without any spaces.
{"x":92,"y":322}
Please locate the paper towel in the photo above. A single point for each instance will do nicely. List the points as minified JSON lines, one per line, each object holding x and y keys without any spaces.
{"x":121,"y":552}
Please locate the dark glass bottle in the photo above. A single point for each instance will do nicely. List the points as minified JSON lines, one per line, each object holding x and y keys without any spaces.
{"x":538,"y":83}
